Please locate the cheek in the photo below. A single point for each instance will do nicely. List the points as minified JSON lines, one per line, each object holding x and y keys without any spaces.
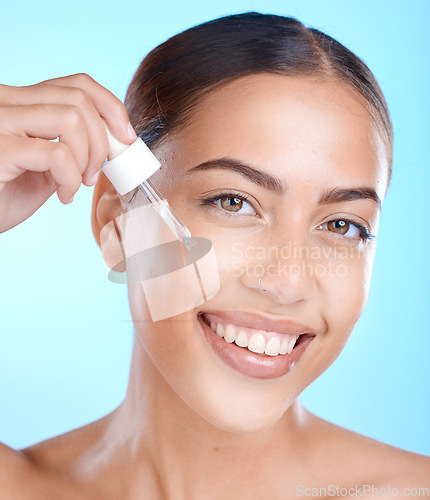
{"x":341,"y":298}
{"x":346,"y":290}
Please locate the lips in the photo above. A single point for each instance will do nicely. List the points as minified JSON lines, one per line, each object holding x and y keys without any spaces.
{"x":255,"y":345}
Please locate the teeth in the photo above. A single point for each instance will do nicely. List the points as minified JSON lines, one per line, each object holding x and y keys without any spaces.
{"x":220,"y":330}
{"x":272,"y":346}
{"x":258,"y":342}
{"x":292,"y":344}
{"x":284,"y":347}
{"x":229,"y":334}
{"x":242,"y":339}
{"x":287,"y":346}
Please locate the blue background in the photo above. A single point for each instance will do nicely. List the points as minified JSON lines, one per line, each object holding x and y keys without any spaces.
{"x":65,"y":330}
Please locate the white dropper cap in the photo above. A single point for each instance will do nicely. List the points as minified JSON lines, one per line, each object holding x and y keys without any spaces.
{"x":128,"y":165}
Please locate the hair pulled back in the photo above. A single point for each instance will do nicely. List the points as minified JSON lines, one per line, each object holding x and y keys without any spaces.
{"x":176,"y":75}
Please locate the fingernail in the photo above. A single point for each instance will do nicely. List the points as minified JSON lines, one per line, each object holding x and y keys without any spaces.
{"x":70,"y":201}
{"x":94,"y":178}
{"x":130,"y":131}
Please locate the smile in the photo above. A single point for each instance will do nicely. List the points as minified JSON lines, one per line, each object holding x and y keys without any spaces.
{"x":254,"y":345}
{"x":258,"y":341}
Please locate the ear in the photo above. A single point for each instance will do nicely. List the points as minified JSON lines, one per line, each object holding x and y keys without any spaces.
{"x":105,"y":217}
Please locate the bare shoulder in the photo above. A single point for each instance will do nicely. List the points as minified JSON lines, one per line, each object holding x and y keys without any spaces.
{"x":364,"y":460}
{"x":14,"y":469}
{"x":46,"y":469}
{"x":59,"y":453}
{"x":393,"y":466}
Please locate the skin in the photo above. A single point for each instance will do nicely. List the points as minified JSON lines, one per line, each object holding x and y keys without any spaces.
{"x":191,"y":427}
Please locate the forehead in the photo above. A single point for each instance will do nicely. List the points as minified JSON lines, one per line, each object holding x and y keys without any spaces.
{"x":297,"y":128}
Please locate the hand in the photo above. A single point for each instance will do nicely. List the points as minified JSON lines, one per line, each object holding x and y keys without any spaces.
{"x":32,"y":166}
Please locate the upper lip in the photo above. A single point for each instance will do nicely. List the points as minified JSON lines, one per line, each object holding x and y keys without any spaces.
{"x":262,"y":322}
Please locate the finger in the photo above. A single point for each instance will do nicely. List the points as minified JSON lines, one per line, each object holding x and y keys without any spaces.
{"x":55,"y":94}
{"x":107,"y":105}
{"x":49,"y":121}
{"x":18,"y":154}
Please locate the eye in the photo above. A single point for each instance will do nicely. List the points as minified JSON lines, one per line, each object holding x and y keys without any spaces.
{"x":347,"y":228}
{"x":342,"y":227}
{"x":232,"y":203}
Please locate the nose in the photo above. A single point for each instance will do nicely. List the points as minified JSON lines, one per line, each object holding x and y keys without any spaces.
{"x":285,"y":273}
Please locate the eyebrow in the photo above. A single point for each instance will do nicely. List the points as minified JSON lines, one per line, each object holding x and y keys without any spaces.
{"x":274,"y":184}
{"x":337,"y":195}
{"x":262,"y":179}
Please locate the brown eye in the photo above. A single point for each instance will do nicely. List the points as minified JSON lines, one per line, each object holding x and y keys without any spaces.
{"x":338,"y":226}
{"x":231,"y":204}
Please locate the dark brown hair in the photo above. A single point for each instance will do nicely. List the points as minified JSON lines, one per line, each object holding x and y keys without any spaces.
{"x":176,"y":75}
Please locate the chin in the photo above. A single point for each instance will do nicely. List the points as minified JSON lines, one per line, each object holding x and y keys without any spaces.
{"x":217,"y":390}
{"x":245,"y":417}
{"x":228,"y":385}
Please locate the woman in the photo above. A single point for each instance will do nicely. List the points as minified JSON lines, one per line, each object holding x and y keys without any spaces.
{"x":276,"y":145}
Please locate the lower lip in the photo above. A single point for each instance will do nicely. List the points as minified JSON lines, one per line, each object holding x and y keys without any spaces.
{"x":249,"y":363}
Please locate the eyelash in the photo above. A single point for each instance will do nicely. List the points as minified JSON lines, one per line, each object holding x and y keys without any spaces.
{"x":366,"y":235}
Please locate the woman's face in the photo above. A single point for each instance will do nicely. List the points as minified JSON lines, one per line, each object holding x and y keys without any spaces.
{"x":284,"y":175}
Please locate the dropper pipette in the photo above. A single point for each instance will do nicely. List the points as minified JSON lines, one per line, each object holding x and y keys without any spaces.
{"x":129,"y":167}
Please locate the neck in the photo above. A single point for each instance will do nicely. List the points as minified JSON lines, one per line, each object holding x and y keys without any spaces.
{"x":185,"y":455}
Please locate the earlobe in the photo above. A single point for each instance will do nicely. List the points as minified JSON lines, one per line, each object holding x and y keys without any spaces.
{"x":106,"y":222}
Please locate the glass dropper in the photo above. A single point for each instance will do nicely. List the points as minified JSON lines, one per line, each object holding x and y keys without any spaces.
{"x":165,"y":211}
{"x":129,"y":167}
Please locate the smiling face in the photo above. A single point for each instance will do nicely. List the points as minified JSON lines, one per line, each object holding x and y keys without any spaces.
{"x":284,"y":176}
